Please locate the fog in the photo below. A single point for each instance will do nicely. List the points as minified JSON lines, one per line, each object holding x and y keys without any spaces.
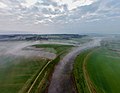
{"x":10,"y":50}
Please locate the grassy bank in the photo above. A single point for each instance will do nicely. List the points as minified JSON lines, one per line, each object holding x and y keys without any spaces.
{"x":43,"y":77}
{"x":79,"y":74}
{"x":40,"y":81}
{"x":28,"y":75}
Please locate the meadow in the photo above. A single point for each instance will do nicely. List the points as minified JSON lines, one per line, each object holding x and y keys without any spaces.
{"x":103,"y":67}
{"x":98,"y":70}
{"x":16,"y":71}
{"x":57,"y":47}
{"x":19,"y":74}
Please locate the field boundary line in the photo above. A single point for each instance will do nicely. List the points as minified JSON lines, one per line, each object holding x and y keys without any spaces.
{"x":89,"y":83}
{"x":38,"y":76}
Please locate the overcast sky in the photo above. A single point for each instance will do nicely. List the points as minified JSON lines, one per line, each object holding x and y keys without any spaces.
{"x":59,"y":16}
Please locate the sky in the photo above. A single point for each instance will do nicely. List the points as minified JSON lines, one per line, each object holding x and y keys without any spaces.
{"x":59,"y":16}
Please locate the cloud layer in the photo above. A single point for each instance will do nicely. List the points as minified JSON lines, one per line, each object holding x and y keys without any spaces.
{"x":57,"y":11}
{"x":51,"y":12}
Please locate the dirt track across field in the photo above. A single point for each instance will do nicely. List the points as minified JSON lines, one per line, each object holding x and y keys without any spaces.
{"x":61,"y":81}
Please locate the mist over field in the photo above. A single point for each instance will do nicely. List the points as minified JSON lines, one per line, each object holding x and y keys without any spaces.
{"x":19,"y":48}
{"x":59,"y":46}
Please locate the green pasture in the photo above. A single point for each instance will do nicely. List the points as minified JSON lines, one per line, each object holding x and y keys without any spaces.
{"x":103,"y":66}
{"x":15,"y":71}
{"x":57,"y":47}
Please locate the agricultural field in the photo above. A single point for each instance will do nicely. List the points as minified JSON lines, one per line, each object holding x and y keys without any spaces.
{"x":55,"y":48}
{"x":27,"y":74}
{"x":98,"y":70}
{"x":16,"y":71}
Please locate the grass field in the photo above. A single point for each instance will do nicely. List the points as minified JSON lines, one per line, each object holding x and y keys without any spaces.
{"x":18,"y":74}
{"x":103,"y":68}
{"x":16,"y":71}
{"x":42,"y":79}
{"x":57,"y":47}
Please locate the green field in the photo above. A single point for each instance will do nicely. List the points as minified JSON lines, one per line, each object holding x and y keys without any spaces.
{"x":40,"y":85}
{"x":57,"y":47}
{"x":16,"y":71}
{"x":103,"y":67}
{"x":19,"y":74}
{"x":103,"y":70}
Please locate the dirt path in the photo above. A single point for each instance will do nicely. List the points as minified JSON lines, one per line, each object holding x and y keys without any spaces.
{"x":38,"y":77}
{"x":61,"y":79}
